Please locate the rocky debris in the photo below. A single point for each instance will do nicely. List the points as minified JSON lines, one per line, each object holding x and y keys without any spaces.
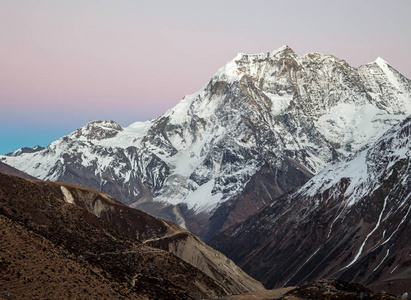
{"x":216,"y":265}
{"x":263,"y":295}
{"x":335,"y":289}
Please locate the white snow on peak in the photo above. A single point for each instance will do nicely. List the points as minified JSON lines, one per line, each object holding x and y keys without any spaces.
{"x":139,"y":128}
{"x":355,"y":170}
{"x":285,"y":47}
{"x":385,"y":67}
{"x":248,"y":56}
{"x":17,"y":152}
{"x":125,"y":137}
{"x":356,"y":125}
{"x":130,"y":136}
{"x":103,"y":124}
{"x":279,"y":103}
{"x":363,"y":172}
{"x":202,"y":199}
{"x":231,"y":72}
{"x":380,"y":61}
{"x":178,"y":114}
{"x":346,"y":119}
{"x":312,"y":54}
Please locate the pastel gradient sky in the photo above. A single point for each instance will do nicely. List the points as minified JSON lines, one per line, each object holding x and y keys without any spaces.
{"x":65,"y":62}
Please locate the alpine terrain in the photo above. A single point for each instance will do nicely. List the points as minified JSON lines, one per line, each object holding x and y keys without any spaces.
{"x":351,"y":221}
{"x":262,"y":126}
{"x":6,"y":169}
{"x":59,"y":240}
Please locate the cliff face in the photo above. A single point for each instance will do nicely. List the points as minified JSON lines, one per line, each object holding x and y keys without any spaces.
{"x":350,"y":221}
{"x":165,"y":235}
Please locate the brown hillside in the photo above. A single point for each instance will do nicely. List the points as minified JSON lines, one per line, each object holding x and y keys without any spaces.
{"x":51,"y":247}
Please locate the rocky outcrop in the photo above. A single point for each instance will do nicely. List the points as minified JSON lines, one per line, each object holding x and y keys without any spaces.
{"x":275,"y":116}
{"x":350,"y":222}
{"x":216,"y":265}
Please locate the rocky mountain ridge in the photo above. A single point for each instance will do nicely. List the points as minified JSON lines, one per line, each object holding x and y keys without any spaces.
{"x":350,"y":221}
{"x":6,"y":169}
{"x":262,"y":126}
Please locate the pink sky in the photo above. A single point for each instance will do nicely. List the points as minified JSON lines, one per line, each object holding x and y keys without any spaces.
{"x":66,"y":62}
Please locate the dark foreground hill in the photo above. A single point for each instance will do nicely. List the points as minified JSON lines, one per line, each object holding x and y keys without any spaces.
{"x":65,"y":241}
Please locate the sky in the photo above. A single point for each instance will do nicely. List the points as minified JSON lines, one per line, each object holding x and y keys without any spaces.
{"x":64,"y":63}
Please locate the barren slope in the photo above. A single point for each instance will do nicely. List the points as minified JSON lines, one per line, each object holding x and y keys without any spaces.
{"x":43,"y":210}
{"x":113,"y":229}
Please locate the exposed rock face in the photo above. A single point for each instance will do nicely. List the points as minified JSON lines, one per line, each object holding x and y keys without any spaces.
{"x":351,"y":221}
{"x":25,"y":150}
{"x":115,"y":239}
{"x":261,"y":127}
{"x":211,"y":262}
{"x":165,"y":235}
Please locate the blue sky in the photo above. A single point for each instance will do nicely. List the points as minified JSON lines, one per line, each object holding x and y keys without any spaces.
{"x":67,"y":62}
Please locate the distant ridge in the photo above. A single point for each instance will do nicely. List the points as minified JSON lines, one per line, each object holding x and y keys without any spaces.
{"x":6,"y":169}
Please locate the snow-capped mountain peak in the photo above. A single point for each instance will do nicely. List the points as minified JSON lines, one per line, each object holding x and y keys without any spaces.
{"x":350,"y":221}
{"x":251,"y":64}
{"x":380,"y":61}
{"x":365,"y":172}
{"x":276,"y":113}
{"x":97,"y":130}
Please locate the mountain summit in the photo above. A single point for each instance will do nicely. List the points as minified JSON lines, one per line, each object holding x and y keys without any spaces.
{"x":262,"y":126}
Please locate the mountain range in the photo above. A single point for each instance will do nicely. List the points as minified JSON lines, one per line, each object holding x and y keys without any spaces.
{"x":261,"y":127}
{"x":351,"y":221}
{"x":295,"y":167}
